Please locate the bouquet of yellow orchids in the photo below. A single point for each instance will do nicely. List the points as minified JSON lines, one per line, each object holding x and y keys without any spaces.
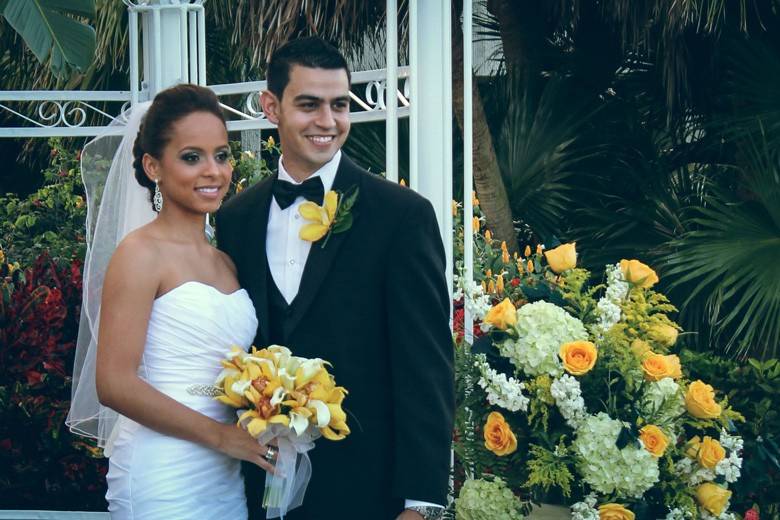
{"x":291,"y":399}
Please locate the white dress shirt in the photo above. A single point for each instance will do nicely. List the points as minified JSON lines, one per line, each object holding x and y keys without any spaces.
{"x":287,"y":252}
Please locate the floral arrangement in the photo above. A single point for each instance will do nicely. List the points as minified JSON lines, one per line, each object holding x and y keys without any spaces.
{"x":575,"y":397}
{"x":289,"y":400}
{"x":275,"y":387}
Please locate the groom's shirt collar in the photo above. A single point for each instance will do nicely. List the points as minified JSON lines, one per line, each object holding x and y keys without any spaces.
{"x":327,"y":173}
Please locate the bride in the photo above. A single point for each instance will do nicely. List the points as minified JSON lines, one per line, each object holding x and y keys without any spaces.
{"x":165,"y":310}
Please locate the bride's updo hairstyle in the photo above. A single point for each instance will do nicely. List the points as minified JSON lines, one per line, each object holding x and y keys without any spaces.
{"x":169,"y":106}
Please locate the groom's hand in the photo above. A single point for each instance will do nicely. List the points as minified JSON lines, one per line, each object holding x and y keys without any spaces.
{"x":408,"y":514}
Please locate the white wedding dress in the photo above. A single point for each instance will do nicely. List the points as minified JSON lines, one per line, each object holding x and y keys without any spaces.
{"x":154,"y":476}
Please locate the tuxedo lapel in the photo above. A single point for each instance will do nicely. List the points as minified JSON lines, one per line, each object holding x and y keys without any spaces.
{"x":321,"y":259}
{"x":256,"y":262}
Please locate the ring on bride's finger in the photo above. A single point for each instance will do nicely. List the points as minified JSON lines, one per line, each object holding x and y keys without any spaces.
{"x":270,"y":454}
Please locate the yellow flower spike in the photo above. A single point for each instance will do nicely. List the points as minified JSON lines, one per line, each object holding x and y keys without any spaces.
{"x":475,"y":224}
{"x":514,"y":255}
{"x":539,"y":249}
{"x":503,"y":246}
{"x":331,"y":203}
{"x":454,"y":207}
{"x":484,"y":287}
{"x":270,"y":141}
{"x":474,"y":199}
{"x":527,"y":251}
{"x":488,"y":235}
{"x":402,"y":183}
{"x":530,"y":266}
{"x":505,"y":257}
{"x":500,"y":284}
{"x":491,"y":287}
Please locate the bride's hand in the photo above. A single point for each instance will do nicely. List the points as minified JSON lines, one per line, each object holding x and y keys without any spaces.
{"x":237,"y":443}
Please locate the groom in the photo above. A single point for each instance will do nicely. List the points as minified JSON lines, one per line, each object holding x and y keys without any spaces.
{"x":372,"y":300}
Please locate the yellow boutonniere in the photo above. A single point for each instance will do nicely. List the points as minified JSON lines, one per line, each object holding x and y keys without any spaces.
{"x":334,"y":216}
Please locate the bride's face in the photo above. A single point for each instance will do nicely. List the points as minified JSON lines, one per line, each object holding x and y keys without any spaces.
{"x":194,"y":169}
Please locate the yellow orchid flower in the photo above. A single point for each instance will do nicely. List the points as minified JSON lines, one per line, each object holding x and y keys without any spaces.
{"x":321,"y":217}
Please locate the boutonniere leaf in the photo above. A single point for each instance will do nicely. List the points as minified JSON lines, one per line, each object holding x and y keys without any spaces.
{"x":334,"y":216}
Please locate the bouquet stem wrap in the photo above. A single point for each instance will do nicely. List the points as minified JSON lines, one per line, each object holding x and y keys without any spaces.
{"x":284,"y":490}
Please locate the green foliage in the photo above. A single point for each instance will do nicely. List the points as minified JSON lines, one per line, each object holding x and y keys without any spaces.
{"x":50,"y":220}
{"x":752,"y":387}
{"x":549,"y":469}
{"x":64,"y":41}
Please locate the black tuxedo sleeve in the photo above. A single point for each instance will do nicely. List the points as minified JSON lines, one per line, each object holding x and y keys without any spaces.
{"x":421,"y":357}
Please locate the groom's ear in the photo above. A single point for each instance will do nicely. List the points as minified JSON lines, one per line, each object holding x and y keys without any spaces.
{"x":270,"y":104}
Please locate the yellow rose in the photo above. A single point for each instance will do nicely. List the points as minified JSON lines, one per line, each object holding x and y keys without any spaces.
{"x":710,"y":452}
{"x":498,"y":436}
{"x":640,"y":348}
{"x":658,"y":366}
{"x":712,"y":497}
{"x":562,"y":258}
{"x":663,"y":334}
{"x":692,"y":447}
{"x":614,"y":512}
{"x":503,"y":315}
{"x":700,"y":401}
{"x":578,"y":357}
{"x":654,"y":440}
{"x":638,"y":273}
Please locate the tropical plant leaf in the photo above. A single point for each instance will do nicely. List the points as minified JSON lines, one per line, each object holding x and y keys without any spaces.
{"x":731,"y":253}
{"x":51,"y":35}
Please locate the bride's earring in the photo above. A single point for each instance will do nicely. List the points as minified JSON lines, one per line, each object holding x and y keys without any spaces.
{"x":157,"y":200}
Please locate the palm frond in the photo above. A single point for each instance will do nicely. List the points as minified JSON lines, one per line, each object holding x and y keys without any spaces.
{"x":539,"y":150}
{"x":731,"y":254}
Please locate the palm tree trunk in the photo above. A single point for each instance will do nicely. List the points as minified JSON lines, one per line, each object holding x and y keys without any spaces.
{"x":489,"y":185}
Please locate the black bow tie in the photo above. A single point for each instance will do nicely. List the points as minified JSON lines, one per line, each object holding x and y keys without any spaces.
{"x":285,"y":192}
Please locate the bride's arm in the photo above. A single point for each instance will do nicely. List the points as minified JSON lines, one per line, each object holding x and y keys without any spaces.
{"x":129,"y":290}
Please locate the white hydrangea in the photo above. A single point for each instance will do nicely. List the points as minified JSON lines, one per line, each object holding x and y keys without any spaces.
{"x":608,"y":306}
{"x":501,"y":391}
{"x":730,"y":467}
{"x":476,"y":302}
{"x":568,"y":397}
{"x":662,"y":402}
{"x":585,"y":510}
{"x":542,"y":328}
{"x":627,"y":472}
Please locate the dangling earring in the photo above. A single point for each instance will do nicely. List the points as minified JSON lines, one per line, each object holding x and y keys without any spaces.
{"x":157,"y":201}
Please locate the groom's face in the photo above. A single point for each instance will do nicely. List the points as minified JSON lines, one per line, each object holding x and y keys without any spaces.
{"x":312,"y":117}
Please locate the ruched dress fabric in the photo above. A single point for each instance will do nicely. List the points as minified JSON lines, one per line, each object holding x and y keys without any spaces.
{"x":154,"y":476}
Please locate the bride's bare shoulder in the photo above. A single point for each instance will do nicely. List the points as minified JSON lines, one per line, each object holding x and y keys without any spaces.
{"x":138,"y":254}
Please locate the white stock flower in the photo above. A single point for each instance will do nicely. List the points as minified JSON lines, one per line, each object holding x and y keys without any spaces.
{"x":608,"y":306}
{"x":542,"y":328}
{"x":501,"y":391}
{"x":475,"y":301}
{"x":568,"y":397}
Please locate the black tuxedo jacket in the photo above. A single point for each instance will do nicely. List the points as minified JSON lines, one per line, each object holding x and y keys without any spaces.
{"x":373,"y":302}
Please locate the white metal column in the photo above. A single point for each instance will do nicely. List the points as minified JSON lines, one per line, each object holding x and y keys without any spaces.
{"x":430,"y":60}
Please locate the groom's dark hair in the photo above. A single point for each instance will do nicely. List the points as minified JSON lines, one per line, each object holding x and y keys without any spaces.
{"x":312,"y":52}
